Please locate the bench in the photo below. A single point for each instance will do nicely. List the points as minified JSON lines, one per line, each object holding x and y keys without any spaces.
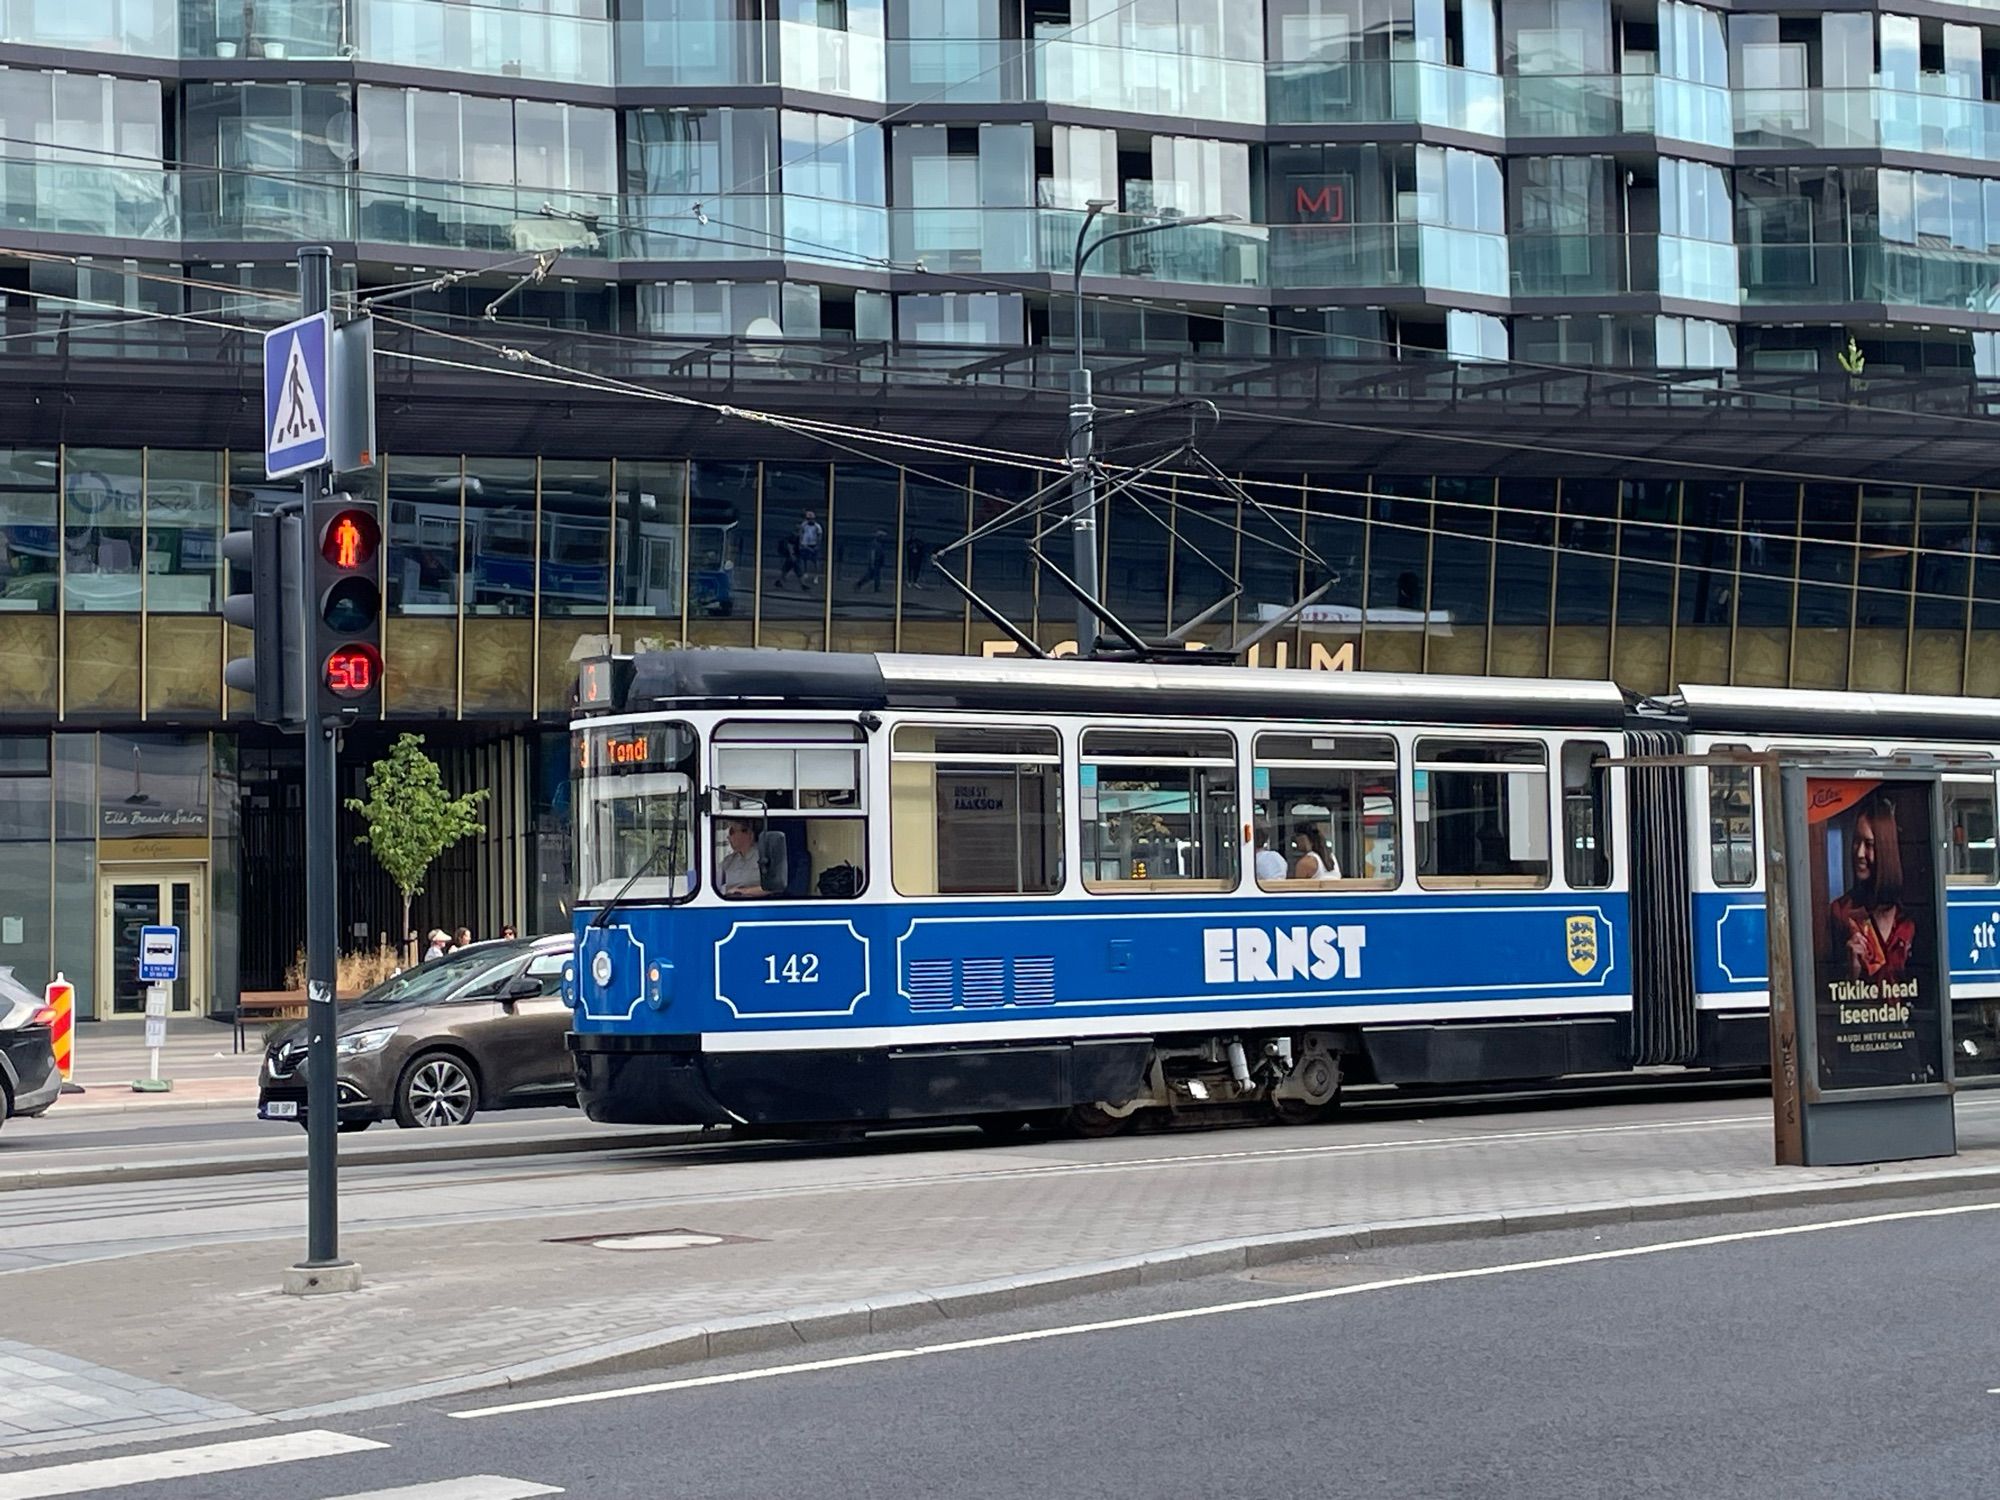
{"x":267,"y":1007}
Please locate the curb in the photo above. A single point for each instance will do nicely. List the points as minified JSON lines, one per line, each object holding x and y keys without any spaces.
{"x":122,"y":1102}
{"x":686,"y":1344}
{"x":588,"y":1142}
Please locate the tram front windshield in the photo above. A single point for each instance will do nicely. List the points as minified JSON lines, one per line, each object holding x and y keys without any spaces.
{"x":635,"y":812}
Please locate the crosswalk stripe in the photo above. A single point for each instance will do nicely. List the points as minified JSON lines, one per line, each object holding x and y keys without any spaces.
{"x":178,"y":1463}
{"x":471,"y":1487}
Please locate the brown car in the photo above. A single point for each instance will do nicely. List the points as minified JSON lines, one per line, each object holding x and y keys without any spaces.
{"x":481,"y":1028}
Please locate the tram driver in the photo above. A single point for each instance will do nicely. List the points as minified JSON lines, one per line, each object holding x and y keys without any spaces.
{"x":743,"y":872}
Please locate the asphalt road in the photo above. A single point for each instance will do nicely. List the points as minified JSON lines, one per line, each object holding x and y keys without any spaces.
{"x":1761,"y":1357}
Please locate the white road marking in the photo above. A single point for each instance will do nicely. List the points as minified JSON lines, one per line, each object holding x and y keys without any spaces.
{"x":471,"y":1487}
{"x":178,"y":1463}
{"x":1220,"y":1309}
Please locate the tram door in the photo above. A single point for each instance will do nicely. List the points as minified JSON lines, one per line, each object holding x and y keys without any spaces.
{"x":132,"y":897}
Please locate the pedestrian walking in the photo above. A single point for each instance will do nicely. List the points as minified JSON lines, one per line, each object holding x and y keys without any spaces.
{"x":788,"y":562}
{"x":462,"y":938}
{"x":811,"y":535}
{"x":878,"y":559}
{"x":440,"y":944}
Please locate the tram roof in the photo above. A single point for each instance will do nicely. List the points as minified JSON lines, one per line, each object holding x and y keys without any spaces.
{"x":1832,"y":715}
{"x":1027,"y":685}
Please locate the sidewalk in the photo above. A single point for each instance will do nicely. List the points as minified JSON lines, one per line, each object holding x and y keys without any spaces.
{"x":492,"y":1271}
{"x":198,"y":1057}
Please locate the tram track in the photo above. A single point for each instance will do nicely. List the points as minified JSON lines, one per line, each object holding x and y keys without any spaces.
{"x":112,"y":1222}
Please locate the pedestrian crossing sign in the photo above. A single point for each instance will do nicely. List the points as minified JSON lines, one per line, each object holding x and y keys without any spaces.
{"x":296,"y":434}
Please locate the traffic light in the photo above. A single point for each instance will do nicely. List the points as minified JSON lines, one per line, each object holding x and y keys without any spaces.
{"x":347,"y":606}
{"x":265,"y":557}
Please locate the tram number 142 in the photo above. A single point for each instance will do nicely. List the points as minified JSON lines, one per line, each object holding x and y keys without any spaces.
{"x":798,"y":968}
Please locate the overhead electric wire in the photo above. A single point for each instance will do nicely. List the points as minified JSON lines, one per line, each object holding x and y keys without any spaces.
{"x":1794,"y":580}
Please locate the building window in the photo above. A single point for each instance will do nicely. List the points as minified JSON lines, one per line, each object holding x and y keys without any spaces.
{"x":183,"y":524}
{"x":1482,"y":813}
{"x":1159,"y":811}
{"x":28,"y":567}
{"x":975,"y":810}
{"x":102,"y":529}
{"x":1325,"y":810}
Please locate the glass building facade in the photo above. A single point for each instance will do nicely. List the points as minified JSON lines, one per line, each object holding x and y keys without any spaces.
{"x":1657,"y":341}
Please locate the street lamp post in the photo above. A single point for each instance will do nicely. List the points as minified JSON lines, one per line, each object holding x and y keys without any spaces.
{"x":1083,"y":414}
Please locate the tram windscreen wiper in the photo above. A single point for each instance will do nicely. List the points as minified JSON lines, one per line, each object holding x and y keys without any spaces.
{"x":645,"y":865}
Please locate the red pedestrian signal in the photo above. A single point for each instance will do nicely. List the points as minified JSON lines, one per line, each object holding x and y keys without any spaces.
{"x":350,"y":540}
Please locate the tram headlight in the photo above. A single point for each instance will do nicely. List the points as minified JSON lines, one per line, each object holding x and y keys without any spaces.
{"x":600,"y":968}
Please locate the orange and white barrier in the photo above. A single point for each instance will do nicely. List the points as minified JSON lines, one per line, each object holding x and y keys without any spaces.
{"x":60,"y":997}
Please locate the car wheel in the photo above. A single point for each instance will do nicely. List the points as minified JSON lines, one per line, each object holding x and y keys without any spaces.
{"x":6,"y":1103}
{"x":437,"y":1089}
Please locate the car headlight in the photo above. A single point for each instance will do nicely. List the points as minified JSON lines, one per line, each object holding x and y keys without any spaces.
{"x":356,"y":1043}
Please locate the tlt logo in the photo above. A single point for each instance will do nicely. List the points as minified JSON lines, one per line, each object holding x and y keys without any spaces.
{"x":1252,"y":955}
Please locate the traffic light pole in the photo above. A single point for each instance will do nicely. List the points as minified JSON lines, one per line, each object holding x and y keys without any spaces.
{"x":323,"y":1269}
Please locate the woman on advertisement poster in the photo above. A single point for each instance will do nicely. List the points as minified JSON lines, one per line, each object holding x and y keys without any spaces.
{"x":1869,"y":924}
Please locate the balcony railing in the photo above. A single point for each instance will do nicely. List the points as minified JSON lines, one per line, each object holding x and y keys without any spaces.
{"x":1015,"y":70}
{"x":306,"y":30}
{"x":59,"y":197}
{"x":1388,"y":255}
{"x":1545,"y":105}
{"x":1385,"y":92}
{"x":1939,"y":276}
{"x":129,"y":28}
{"x":726,"y":54}
{"x":1043,"y":240}
{"x":487,"y":39}
{"x":474,"y":216}
{"x":1596,"y":265}
{"x":1836,"y":119}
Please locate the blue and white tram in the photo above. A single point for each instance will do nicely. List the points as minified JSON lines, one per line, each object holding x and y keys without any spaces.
{"x":1727,"y":1001}
{"x":820,"y":889}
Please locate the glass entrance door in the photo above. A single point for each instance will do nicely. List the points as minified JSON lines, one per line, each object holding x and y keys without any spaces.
{"x":133,"y":897}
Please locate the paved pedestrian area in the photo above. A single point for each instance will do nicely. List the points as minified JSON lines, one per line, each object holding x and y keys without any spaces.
{"x":481,"y":1266}
{"x":45,"y":1395}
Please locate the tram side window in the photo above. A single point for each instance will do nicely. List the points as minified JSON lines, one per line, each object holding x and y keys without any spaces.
{"x":790,"y":820}
{"x":1586,"y":816}
{"x":1732,"y":826}
{"x":1324,"y":806}
{"x":975,"y":810}
{"x":1969,"y":814}
{"x":1158,"y":811}
{"x":1482,"y":812}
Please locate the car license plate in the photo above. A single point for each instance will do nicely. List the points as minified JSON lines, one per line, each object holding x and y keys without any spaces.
{"x":278,"y":1109}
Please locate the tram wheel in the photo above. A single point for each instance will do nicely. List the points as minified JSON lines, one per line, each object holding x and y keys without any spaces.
{"x":1095,"y":1122}
{"x":1302,"y":1111}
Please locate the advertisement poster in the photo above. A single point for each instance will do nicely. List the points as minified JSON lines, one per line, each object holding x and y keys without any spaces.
{"x":1877,"y":997}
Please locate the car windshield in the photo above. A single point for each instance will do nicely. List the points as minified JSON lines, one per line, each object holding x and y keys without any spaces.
{"x":439,"y":977}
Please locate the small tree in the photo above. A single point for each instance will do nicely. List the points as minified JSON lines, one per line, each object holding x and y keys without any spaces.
{"x":411,"y":818}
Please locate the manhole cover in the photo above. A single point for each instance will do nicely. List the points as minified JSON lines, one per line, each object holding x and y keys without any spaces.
{"x":654,"y":1239}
